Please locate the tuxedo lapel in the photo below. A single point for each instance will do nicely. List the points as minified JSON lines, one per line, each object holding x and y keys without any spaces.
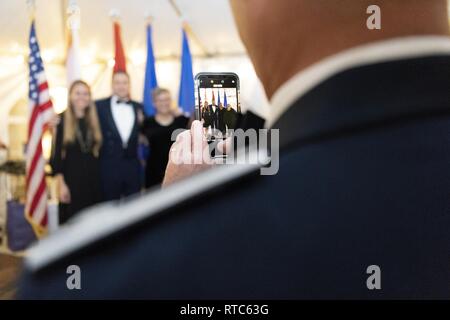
{"x":135,"y":129}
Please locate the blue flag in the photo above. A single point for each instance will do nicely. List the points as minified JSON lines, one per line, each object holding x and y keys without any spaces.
{"x":218,"y":94}
{"x":150,"y":76}
{"x":186,"y":99}
{"x":225,"y":103}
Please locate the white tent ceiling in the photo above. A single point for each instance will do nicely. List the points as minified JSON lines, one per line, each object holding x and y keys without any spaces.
{"x":218,"y":37}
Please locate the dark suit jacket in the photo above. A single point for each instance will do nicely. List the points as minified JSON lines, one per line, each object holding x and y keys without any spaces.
{"x":112,"y":143}
{"x":214,"y":117}
{"x":229,"y":118}
{"x":221,"y":121}
{"x":364,"y":180}
{"x":206,"y":116}
{"x":119,"y":164}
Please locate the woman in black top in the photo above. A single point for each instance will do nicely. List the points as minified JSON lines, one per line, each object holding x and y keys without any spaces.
{"x":75,"y":153}
{"x":158,"y":131}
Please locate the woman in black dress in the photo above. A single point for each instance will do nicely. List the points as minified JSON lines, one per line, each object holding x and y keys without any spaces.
{"x":158,"y":131}
{"x":75,"y":153}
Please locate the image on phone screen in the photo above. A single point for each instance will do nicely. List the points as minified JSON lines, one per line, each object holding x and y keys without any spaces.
{"x":217,"y":104}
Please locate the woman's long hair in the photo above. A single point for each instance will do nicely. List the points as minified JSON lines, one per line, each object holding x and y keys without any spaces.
{"x":71,"y":123}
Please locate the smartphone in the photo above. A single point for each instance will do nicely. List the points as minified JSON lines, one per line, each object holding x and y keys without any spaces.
{"x":217,"y":103}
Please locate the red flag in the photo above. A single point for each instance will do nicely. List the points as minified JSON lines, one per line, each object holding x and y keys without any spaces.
{"x":120,"y":64}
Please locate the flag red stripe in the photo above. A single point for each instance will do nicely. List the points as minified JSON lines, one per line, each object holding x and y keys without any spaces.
{"x":43,"y":86}
{"x":37,"y":196}
{"x":33,"y":117}
{"x":35,"y":113}
{"x":37,"y":155}
{"x":44,"y":221}
{"x":45,"y":106}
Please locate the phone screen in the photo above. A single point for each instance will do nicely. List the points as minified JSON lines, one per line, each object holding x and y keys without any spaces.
{"x":217,"y":103}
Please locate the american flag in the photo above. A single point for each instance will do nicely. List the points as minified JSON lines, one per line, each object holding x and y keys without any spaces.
{"x":40,"y":107}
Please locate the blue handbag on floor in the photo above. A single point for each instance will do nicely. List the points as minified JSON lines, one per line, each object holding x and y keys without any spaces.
{"x":19,"y":233}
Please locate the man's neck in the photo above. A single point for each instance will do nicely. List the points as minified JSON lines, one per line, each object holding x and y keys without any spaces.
{"x":293,"y":56}
{"x":121,"y":97}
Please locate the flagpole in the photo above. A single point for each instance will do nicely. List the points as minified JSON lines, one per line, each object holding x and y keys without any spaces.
{"x":72,"y":61}
{"x":73,"y":15}
{"x":187,"y":27}
{"x":114,"y":15}
{"x":31,"y":6}
{"x":148,"y":18}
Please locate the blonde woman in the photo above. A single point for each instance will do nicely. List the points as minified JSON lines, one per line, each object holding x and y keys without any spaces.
{"x":75,"y":153}
{"x":158,"y":131}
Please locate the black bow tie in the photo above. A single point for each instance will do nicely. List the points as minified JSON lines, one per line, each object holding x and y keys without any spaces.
{"x":124,"y":101}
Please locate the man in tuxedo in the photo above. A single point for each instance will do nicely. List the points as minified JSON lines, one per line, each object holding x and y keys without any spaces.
{"x":214,"y":116}
{"x":360,"y":205}
{"x":120,"y":118}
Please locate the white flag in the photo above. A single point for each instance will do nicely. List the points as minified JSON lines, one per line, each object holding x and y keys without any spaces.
{"x":73,"y":65}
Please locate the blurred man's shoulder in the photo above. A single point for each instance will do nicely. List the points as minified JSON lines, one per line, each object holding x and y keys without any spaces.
{"x":102,"y":222}
{"x":137,"y":104}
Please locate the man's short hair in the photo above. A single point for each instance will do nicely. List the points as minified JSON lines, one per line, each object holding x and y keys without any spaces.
{"x":158,"y":91}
